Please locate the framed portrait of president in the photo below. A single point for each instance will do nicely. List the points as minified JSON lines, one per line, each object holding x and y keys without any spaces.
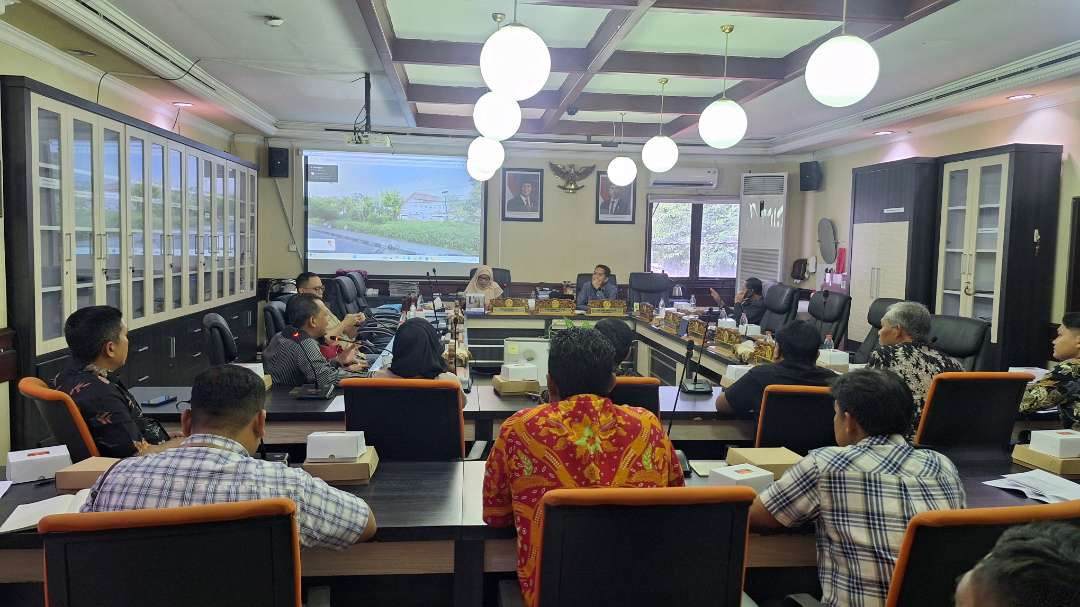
{"x":523,"y":194}
{"x":614,"y":203}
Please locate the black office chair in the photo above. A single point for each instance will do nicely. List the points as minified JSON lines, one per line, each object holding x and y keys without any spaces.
{"x":500,"y":275}
{"x":583,"y":279}
{"x":797,"y":417}
{"x":273,"y":318}
{"x":641,"y":392}
{"x":85,"y":551}
{"x":829,"y":314}
{"x":780,"y":307}
{"x":649,"y":287}
{"x":220,"y":342}
{"x":965,"y":339}
{"x":386,"y":319}
{"x":873,"y":316}
{"x":971,"y":409}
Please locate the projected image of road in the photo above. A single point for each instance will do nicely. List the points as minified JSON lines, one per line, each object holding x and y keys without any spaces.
{"x":392,"y":207}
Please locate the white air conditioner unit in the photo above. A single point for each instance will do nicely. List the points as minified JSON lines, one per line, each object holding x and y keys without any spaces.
{"x":761,"y":226}
{"x":684,"y":178}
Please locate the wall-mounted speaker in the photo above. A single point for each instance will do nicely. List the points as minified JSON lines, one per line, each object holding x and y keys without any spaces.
{"x":278,"y":161}
{"x":810,"y":176}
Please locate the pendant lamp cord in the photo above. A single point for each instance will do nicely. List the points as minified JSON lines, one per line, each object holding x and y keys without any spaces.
{"x":663,"y":83}
{"x":727,"y":34}
{"x":843,"y":20}
{"x":516,"y":1}
{"x":622,"y":127}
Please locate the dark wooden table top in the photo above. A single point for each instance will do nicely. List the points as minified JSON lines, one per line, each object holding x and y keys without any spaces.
{"x":686,"y":406}
{"x":443,"y":500}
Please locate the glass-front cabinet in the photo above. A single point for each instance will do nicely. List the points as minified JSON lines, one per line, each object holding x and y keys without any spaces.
{"x":972,"y":217}
{"x":131,"y":217}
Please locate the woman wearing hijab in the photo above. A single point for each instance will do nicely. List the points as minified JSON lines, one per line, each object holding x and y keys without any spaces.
{"x":417,"y":354}
{"x":483,"y":281}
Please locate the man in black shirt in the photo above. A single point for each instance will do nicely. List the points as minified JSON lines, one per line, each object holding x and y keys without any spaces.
{"x":797,"y":343}
{"x":97,"y":339}
{"x":750,"y":301}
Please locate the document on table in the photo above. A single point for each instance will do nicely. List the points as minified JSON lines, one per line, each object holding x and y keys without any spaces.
{"x":1038,"y":372}
{"x":4,"y":485}
{"x":1039,"y":485}
{"x":27,"y":516}
{"x":702,"y":466}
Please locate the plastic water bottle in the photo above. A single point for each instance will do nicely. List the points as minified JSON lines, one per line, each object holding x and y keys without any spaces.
{"x":723,"y":313}
{"x":828,"y":344}
{"x":743,"y":322}
{"x":693,"y":301}
{"x":662,"y":306}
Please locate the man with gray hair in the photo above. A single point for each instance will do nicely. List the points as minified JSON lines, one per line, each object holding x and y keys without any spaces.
{"x":903,"y":349}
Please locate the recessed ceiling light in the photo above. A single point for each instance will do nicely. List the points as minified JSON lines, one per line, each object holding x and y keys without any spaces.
{"x":78,"y":52}
{"x":274,"y":21}
{"x":1020,"y":97}
{"x":884,"y":132}
{"x":182,"y":104}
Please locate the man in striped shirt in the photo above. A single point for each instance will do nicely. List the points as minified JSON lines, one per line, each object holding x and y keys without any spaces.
{"x":293,"y":357}
{"x":223,"y":427}
{"x":861,"y":494}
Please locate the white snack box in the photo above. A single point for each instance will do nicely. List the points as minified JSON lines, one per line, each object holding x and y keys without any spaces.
{"x":37,"y":464}
{"x":751,"y":330}
{"x":734,"y":372}
{"x":832,"y":357}
{"x":742,"y":474}
{"x":1059,"y":443}
{"x":330,"y":446}
{"x":519,"y":371}
{"x":727,"y":323}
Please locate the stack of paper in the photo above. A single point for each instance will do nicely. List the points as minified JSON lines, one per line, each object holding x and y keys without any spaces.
{"x":1039,"y":485}
{"x":27,"y":516}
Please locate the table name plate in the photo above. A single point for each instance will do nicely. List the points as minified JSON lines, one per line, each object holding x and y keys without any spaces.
{"x":607,"y":307}
{"x":509,"y":305}
{"x":555,"y":307}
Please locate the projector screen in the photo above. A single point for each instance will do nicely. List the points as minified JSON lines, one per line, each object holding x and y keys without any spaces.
{"x":392,"y":214}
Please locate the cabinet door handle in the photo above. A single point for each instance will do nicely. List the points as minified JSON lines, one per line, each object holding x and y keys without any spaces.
{"x":143,"y":349}
{"x":196,"y":355}
{"x":69,"y":248}
{"x":142,"y":379}
{"x":172,"y":347}
{"x":131,"y":250}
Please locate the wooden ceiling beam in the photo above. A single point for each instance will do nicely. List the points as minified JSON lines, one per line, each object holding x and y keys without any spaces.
{"x":600,"y":130}
{"x":694,"y":65}
{"x":381,"y":31}
{"x":873,"y":11}
{"x":613,"y":29}
{"x":441,"y":52}
{"x":593,"y":102}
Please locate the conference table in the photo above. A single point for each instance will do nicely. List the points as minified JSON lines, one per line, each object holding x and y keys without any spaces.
{"x":430,"y":519}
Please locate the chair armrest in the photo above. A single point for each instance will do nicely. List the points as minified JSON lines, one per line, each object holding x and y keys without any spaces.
{"x":476,"y":454}
{"x":801,"y":600}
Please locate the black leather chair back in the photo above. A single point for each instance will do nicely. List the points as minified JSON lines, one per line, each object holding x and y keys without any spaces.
{"x":965,"y":339}
{"x":407,"y":419}
{"x":701,"y":547}
{"x":347,"y":288}
{"x":641,"y":392}
{"x":873,"y":316}
{"x":797,"y":417}
{"x":500,"y":275}
{"x":273,"y":318}
{"x":829,"y":314}
{"x":583,"y":279}
{"x":83,"y":551}
{"x":220,"y":343}
{"x":649,"y":287}
{"x":780,"y":307}
{"x":361,"y":290}
{"x":971,"y":409}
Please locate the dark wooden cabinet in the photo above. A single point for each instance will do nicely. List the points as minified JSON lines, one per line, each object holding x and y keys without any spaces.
{"x":894,"y":208}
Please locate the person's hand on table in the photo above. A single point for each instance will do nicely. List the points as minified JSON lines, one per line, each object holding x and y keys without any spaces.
{"x":145,"y":448}
{"x":358,"y":366}
{"x":347,"y":355}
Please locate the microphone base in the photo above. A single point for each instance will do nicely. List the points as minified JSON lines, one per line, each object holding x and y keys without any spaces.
{"x":312,"y":392}
{"x":700,"y":386}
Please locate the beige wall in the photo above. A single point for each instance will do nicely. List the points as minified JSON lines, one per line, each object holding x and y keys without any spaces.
{"x":1053,"y":125}
{"x":567,"y":242}
{"x":14,"y":62}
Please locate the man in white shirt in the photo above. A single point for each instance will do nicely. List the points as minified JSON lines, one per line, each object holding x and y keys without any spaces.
{"x":223,"y":427}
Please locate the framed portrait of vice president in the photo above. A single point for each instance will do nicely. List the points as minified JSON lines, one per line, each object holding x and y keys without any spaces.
{"x":523,"y":194}
{"x":614,"y":204}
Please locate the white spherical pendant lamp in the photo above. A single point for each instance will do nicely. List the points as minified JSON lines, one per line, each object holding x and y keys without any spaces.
{"x":621,"y":171}
{"x":487,"y":153}
{"x":478,"y":172}
{"x":722,"y":124}
{"x":842,"y":71}
{"x":496,"y":116}
{"x":515,"y":62}
{"x":660,"y":154}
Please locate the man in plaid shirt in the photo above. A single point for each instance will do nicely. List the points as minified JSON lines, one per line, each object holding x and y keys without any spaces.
{"x":213,"y":464}
{"x":861,"y":494}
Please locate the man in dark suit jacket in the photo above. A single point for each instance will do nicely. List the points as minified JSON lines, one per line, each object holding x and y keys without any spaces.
{"x":525,"y":201}
{"x":618,"y":203}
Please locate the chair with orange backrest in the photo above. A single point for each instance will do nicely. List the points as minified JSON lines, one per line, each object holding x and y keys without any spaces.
{"x":971,"y":409}
{"x":238,"y":553}
{"x":797,"y":417}
{"x":641,"y":392}
{"x":941,"y":545}
{"x":661,"y":546}
{"x":62,"y":417}
{"x":409,"y":419}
